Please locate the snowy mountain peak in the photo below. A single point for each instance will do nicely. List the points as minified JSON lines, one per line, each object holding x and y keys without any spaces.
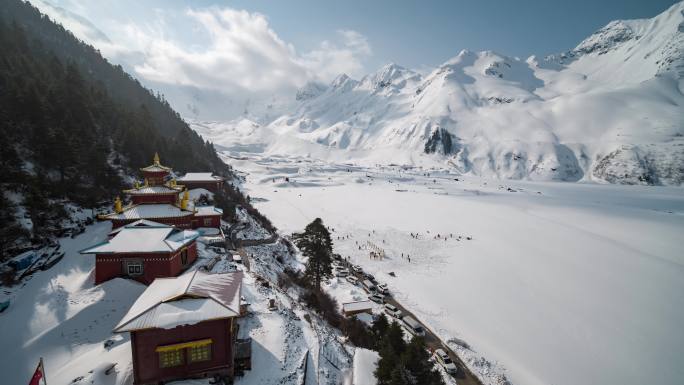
{"x":608,"y":110}
{"x":310,"y":90}
{"x":343,"y":82}
{"x":633,"y":50}
{"x":390,"y":76}
{"x":606,"y":38}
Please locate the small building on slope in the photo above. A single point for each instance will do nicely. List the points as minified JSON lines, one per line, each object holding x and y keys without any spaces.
{"x":144,"y":251}
{"x":205,"y":180}
{"x":184,"y":327}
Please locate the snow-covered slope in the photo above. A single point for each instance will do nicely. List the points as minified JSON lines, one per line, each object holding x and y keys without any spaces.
{"x":609,"y":110}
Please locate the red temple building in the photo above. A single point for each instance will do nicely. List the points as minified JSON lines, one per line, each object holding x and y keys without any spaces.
{"x":162,"y":200}
{"x":168,"y":193}
{"x":144,"y":251}
{"x":184,"y":327}
{"x":205,"y":180}
{"x":155,"y":174}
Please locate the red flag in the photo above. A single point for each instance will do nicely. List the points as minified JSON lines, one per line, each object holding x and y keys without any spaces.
{"x":38,"y":375}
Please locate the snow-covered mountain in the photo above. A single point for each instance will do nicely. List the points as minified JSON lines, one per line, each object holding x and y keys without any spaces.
{"x":612,"y":109}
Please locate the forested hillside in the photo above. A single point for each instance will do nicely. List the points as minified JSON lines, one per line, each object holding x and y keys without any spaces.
{"x":71,"y":124}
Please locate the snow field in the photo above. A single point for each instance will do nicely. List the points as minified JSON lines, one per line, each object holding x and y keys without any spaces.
{"x":561,"y":283}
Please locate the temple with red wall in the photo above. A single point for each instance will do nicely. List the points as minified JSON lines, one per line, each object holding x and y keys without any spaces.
{"x":205,"y":180}
{"x":184,"y":328}
{"x":144,"y":251}
{"x":159,"y":199}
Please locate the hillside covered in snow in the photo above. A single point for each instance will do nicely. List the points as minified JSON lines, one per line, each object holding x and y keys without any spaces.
{"x":609,"y":110}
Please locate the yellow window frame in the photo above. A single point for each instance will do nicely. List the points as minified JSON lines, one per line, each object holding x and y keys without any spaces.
{"x":184,"y":345}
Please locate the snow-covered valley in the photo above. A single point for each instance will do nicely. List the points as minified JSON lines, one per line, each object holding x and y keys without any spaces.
{"x":561,"y":282}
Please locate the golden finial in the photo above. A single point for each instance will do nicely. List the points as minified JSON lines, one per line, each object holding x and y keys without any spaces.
{"x":156,"y":159}
{"x":137,"y":185}
{"x":118,"y":206}
{"x":184,"y":201}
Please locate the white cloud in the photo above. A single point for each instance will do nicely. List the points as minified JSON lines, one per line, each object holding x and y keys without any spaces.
{"x":333,"y":59}
{"x":243,"y":52}
{"x":192,"y":53}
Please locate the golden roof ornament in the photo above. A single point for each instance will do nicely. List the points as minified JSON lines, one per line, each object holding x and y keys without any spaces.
{"x":156,"y":159}
{"x":118,"y":208}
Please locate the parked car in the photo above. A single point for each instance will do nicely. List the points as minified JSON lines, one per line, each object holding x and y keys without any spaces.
{"x":413,"y":326}
{"x":353,"y":280}
{"x":444,"y":360}
{"x":368,"y":286}
{"x":392,"y":310}
{"x":342,"y":273}
{"x":357,"y":269}
{"x":382,"y":288}
{"x":376,"y":298}
{"x":370,"y":277}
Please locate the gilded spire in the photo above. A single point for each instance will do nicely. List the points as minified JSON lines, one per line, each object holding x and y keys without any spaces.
{"x":118,"y":208}
{"x":156,"y":159}
{"x":184,"y":201}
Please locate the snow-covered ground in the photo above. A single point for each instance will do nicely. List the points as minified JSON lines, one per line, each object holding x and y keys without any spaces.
{"x":365,"y":362}
{"x":61,"y":316}
{"x":560,"y":283}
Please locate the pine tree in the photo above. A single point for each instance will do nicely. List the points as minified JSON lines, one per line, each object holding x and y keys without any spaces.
{"x":10,"y":230}
{"x":380,"y":327}
{"x":416,"y":360}
{"x":316,"y":244}
{"x":392,"y":346}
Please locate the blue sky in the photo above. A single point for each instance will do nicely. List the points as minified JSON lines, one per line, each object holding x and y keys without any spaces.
{"x":416,"y":33}
{"x":240,"y":51}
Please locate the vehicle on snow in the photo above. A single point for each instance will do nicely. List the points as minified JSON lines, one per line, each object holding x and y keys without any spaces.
{"x":370,"y":277}
{"x":353,"y":280}
{"x":342,"y":273}
{"x":368,"y":286}
{"x":445,"y":361}
{"x":382,"y":288}
{"x":393,"y":311}
{"x":376,"y":298}
{"x":413,"y":326}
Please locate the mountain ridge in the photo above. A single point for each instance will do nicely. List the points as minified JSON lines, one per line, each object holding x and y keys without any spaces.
{"x":609,"y":110}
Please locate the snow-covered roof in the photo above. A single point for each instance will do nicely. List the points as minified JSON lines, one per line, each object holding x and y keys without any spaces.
{"x":145,"y":237}
{"x":199,"y":177}
{"x":357,"y":306}
{"x":207,"y":210}
{"x":196,"y":193}
{"x":138,"y":223}
{"x":142,"y":211}
{"x":186,"y":300}
{"x":150,"y":190}
{"x":155,"y":168}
